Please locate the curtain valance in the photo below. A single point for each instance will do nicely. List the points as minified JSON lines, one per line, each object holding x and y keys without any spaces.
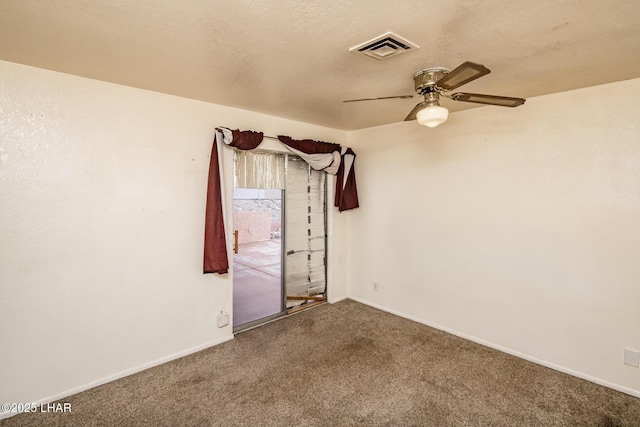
{"x":329,"y":157}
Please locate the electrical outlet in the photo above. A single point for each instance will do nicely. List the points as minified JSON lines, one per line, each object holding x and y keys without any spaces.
{"x":223,"y":319}
{"x":376,"y":286}
{"x":632,"y":357}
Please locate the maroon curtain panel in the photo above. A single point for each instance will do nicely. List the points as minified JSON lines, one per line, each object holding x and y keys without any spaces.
{"x":309,"y":146}
{"x":347,"y":194}
{"x":246,"y":139}
{"x":215,"y":243}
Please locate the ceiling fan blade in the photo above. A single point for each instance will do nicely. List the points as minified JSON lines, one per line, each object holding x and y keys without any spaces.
{"x":502,"y":101}
{"x":414,"y":112}
{"x":382,"y":97}
{"x":462,"y":75}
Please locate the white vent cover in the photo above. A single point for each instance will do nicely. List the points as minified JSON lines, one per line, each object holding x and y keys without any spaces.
{"x":385,"y":46}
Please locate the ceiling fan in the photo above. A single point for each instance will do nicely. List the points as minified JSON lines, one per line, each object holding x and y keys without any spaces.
{"x":435,"y":82}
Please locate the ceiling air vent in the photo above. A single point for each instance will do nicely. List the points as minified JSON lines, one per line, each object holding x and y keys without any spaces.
{"x":384,"y":46}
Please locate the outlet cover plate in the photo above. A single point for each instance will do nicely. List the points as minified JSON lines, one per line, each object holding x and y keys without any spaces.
{"x":631,"y":357}
{"x":223,"y":320}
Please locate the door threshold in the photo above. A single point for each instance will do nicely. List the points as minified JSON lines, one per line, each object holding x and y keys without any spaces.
{"x":252,"y":325}
{"x":258,"y":322}
{"x":310,"y":304}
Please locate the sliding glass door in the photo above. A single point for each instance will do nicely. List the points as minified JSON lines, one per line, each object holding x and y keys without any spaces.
{"x":279,"y":264}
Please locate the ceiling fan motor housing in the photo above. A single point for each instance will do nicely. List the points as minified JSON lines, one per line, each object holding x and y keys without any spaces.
{"x":425,"y":80}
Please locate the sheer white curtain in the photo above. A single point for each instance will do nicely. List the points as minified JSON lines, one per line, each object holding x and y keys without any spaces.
{"x":258,"y":169}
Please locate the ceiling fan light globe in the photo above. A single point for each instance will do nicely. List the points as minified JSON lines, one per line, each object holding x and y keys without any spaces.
{"x":432,"y":116}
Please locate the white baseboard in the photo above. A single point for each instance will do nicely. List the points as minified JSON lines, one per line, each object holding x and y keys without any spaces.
{"x":121,"y":374}
{"x":527,"y":357}
{"x":335,"y":300}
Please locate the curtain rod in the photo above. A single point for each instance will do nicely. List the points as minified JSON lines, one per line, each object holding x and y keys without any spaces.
{"x":263,"y":136}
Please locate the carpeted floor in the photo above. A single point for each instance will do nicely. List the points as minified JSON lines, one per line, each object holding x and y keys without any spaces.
{"x":346,"y":364}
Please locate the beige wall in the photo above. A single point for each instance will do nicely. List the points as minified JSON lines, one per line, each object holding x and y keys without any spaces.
{"x":102,"y":217}
{"x":518,"y":228}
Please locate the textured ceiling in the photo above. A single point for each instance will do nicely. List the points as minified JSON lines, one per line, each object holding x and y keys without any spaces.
{"x":290,"y":58}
